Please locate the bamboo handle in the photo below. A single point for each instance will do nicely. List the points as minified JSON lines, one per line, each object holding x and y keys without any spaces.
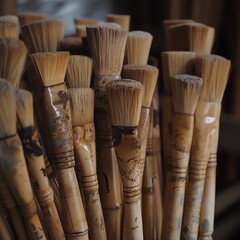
{"x":4,"y":231}
{"x":128,"y":149}
{"x":110,"y":186}
{"x":9,"y":203}
{"x":58,"y":114}
{"x":182,"y":132}
{"x":38,"y":177}
{"x":204,"y":117}
{"x":85,"y":153}
{"x":14,"y":170}
{"x":208,"y":203}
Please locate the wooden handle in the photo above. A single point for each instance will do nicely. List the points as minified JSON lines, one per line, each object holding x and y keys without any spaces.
{"x":4,"y":231}
{"x":9,"y":203}
{"x":204,"y":117}
{"x":38,"y":177}
{"x":182,"y":132}
{"x":167,"y":113}
{"x":14,"y":171}
{"x":110,"y":186}
{"x":208,"y":203}
{"x":128,"y":149}
{"x":58,"y":114}
{"x":85,"y":154}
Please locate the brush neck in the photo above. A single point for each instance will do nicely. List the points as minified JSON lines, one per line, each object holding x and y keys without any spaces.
{"x":58,"y":120}
{"x":101,"y":110}
{"x":182,"y":133}
{"x":205,"y":130}
{"x":85,"y":149}
{"x":127,"y":144}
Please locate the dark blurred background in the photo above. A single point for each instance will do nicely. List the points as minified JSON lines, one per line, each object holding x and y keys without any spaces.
{"x":148,"y":15}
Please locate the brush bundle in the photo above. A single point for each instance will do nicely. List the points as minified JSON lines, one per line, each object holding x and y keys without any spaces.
{"x":80,"y":149}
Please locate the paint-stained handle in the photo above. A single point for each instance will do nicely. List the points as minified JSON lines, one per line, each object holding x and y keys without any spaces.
{"x":14,"y":170}
{"x":85,"y":154}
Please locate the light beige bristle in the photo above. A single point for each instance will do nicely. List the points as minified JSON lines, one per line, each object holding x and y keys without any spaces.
{"x":13,"y":53}
{"x":107,"y":46}
{"x":174,"y":63}
{"x":81,"y":31}
{"x":79,"y":71}
{"x":30,"y":17}
{"x":145,"y":74}
{"x":138,"y":47}
{"x":186,"y":90}
{"x":214,"y":71}
{"x":9,"y":29}
{"x":194,"y":37}
{"x":9,"y":18}
{"x":121,"y":19}
{"x":51,"y":67}
{"x":125,"y":101}
{"x":24,"y":102}
{"x":88,"y":22}
{"x":8,"y":109}
{"x":82,"y":105}
{"x":43,"y":36}
{"x":109,"y":24}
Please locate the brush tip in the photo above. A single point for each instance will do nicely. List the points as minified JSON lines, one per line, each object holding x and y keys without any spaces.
{"x":125,"y":101}
{"x":185,"y":93}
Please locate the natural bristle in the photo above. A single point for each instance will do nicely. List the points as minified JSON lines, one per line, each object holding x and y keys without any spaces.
{"x":81,"y":31}
{"x":107,"y":46}
{"x":51,"y":67}
{"x":193,"y":36}
{"x":174,"y":63}
{"x":109,"y":24}
{"x":12,"y":61}
{"x":122,"y":20}
{"x":145,"y":74}
{"x":138,"y":47}
{"x":24,"y":102}
{"x":9,"y":18}
{"x":82,"y":105}
{"x":125,"y":101}
{"x":8,"y":109}
{"x":88,"y":22}
{"x":30,"y":17}
{"x":9,"y":29}
{"x":71,"y":44}
{"x":214,"y":71}
{"x":79,"y":71}
{"x":185,"y":93}
{"x":43,"y":36}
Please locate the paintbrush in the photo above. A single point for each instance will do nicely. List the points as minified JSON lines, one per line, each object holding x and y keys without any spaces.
{"x":82,"y":105}
{"x":79,"y":72}
{"x":43,"y":35}
{"x":12,"y":162}
{"x":88,"y":22}
{"x":9,"y":203}
{"x":121,"y":19}
{"x":9,"y":29}
{"x":193,"y":36}
{"x":125,"y":100}
{"x":147,"y":75}
{"x":9,"y":18}
{"x":167,"y":23}
{"x":107,"y":46}
{"x":185,"y":93}
{"x":5,"y":231}
{"x":138,"y":47}
{"x":12,"y":61}
{"x":36,"y":164}
{"x":207,"y":111}
{"x":173,"y":63}
{"x":30,"y":17}
{"x":51,"y":68}
{"x":217,"y":68}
